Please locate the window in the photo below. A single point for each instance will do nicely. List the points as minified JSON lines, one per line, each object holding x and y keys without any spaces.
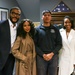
{"x":3,"y":13}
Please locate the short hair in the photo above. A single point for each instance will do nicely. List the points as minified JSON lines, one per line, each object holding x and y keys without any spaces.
{"x":15,"y":8}
{"x":45,"y":11}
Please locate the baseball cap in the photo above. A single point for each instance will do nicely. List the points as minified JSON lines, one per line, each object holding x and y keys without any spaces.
{"x":46,"y":11}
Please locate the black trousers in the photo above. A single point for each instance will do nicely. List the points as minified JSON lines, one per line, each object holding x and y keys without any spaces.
{"x":47,"y":67}
{"x":8,"y":67}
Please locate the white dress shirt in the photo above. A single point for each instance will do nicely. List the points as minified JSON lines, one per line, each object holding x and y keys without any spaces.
{"x":12,"y":32}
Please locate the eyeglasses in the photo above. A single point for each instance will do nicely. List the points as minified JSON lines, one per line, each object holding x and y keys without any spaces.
{"x":13,"y":13}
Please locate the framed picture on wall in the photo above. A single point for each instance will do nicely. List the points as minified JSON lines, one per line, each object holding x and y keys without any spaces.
{"x":36,"y":24}
{"x":3,"y":13}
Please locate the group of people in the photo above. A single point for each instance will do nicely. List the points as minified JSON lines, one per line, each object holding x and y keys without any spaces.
{"x":35,"y":50}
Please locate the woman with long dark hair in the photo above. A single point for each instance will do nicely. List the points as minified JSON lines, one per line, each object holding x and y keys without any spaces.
{"x":24,"y":49}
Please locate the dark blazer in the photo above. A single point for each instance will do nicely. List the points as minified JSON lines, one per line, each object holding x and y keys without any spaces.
{"x":5,"y":42}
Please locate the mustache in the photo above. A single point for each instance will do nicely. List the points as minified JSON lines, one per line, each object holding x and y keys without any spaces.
{"x":15,"y":17}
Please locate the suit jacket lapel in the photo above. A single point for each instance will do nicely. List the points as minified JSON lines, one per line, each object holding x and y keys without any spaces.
{"x":7,"y":30}
{"x":70,"y":36}
{"x":64,"y":37}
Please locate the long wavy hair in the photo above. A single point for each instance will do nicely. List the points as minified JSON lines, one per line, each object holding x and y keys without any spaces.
{"x":20,"y":30}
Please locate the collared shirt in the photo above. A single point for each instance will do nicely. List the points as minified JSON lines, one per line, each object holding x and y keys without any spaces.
{"x":12,"y":32}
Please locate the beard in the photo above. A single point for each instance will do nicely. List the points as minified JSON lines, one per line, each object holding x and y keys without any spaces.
{"x":14,"y":21}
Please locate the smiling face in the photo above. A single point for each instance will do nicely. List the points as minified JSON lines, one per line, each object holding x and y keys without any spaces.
{"x":26,"y":26}
{"x":67,"y":24}
{"x":14,"y":15}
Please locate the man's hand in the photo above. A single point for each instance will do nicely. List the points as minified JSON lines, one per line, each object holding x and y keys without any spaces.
{"x":48,"y":57}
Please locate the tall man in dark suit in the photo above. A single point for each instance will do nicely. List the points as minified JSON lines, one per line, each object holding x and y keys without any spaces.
{"x":7,"y":37}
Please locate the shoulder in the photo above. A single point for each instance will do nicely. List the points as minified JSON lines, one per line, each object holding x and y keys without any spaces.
{"x":61,"y":30}
{"x":19,"y":38}
{"x":4,"y":22}
{"x":73,"y":31}
{"x":1,"y":22}
{"x":38,"y":27}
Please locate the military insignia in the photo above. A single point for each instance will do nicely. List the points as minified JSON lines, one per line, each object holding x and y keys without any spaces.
{"x":52,"y":31}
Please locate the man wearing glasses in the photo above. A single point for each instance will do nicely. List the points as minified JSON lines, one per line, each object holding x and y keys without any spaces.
{"x":7,"y":38}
